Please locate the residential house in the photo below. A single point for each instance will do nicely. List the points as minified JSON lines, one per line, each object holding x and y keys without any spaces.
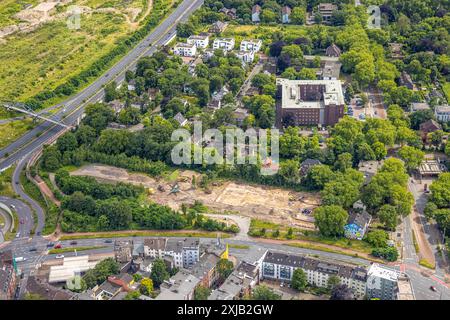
{"x":419,"y":106}
{"x":331,"y":70}
{"x":307,"y":164}
{"x":226,"y":44}
{"x":246,"y":57}
{"x":179,"y":287}
{"x":123,"y":250}
{"x":326,"y":10}
{"x":256,"y":12}
{"x":238,"y":284}
{"x":182,"y":121}
{"x":240,"y":114}
{"x":155,"y":247}
{"x":218,"y":27}
{"x":333,"y":51}
{"x":230,"y":13}
{"x":358,"y":221}
{"x":368,"y":169}
{"x":185,"y":49}
{"x":46,"y":291}
{"x":184,"y":252}
{"x":205,"y":269}
{"x":442,"y":113}
{"x":396,"y":50}
{"x":281,"y":266}
{"x":112,"y":287}
{"x":131,"y":85}
{"x":382,"y":282}
{"x":251,"y":45}
{"x":428,"y":127}
{"x":200,"y":41}
{"x":7,"y":281}
{"x":285,"y":14}
{"x":406,"y":80}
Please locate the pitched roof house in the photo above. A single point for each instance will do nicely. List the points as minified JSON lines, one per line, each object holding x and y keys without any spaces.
{"x":333,"y":51}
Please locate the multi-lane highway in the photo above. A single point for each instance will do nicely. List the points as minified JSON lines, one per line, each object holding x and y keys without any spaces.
{"x":73,"y":107}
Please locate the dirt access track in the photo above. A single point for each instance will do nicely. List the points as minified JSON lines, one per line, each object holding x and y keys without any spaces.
{"x":255,"y":201}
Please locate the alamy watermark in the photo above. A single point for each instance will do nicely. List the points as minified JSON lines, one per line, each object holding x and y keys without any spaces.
{"x":235,"y":147}
{"x":374,"y":20}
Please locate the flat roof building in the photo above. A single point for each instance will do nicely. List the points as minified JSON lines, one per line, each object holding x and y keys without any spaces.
{"x":309,"y":102}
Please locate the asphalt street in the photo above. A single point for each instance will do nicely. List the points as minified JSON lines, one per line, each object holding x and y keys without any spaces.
{"x":74,"y":106}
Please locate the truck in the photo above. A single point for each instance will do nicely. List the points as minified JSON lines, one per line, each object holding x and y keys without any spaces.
{"x":19,"y":259}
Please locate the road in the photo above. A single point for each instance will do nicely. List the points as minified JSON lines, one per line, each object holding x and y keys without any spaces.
{"x":421,"y":282}
{"x":74,"y":106}
{"x":431,"y":233}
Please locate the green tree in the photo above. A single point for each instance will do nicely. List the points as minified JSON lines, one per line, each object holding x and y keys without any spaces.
{"x":377,"y":238}
{"x":159,"y":272}
{"x":146,"y":286}
{"x":413,"y":157}
{"x":440,"y":191}
{"x":224,"y":268}
{"x":299,"y":280}
{"x":330,"y":220}
{"x":263,"y":292}
{"x":201,"y":293}
{"x":333,"y":281}
{"x":298,"y":15}
{"x":388,"y":216}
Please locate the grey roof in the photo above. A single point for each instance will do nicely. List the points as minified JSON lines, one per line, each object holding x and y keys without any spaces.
{"x":178,"y":287}
{"x":307,"y":263}
{"x":108,"y":287}
{"x":177,"y":245}
{"x":155,"y":243}
{"x":416,"y":106}
{"x":311,"y":162}
{"x":361,"y":219}
{"x":206,"y":263}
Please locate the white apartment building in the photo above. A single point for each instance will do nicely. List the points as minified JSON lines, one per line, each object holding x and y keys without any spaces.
{"x":199,"y":41}
{"x":442,"y":113}
{"x":382,"y":283}
{"x":185,"y":49}
{"x":251,"y":45}
{"x":281,"y":266}
{"x":226,"y":44}
{"x":184,"y":252}
{"x":245,"y":56}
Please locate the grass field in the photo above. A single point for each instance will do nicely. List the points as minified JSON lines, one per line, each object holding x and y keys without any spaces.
{"x":47,"y":57}
{"x":446,"y":88}
{"x":8,"y":8}
{"x":9,"y":132}
{"x":5,"y":182}
{"x":64,"y":250}
{"x":144,"y":234}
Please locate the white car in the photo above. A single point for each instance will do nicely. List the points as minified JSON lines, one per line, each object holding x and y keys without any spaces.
{"x":59,"y":256}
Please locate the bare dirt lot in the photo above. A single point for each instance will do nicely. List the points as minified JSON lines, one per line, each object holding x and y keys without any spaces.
{"x":266,"y":203}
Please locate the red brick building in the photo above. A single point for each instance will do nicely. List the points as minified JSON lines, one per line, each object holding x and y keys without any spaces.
{"x":309,"y":102}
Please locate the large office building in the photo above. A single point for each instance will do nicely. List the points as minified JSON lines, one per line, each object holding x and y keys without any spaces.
{"x":309,"y":102}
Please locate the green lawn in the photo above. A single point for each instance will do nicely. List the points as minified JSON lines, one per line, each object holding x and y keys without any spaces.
{"x":5,"y":182}
{"x":145,"y":234}
{"x":11,"y":131}
{"x":71,"y":249}
{"x":446,"y":88}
